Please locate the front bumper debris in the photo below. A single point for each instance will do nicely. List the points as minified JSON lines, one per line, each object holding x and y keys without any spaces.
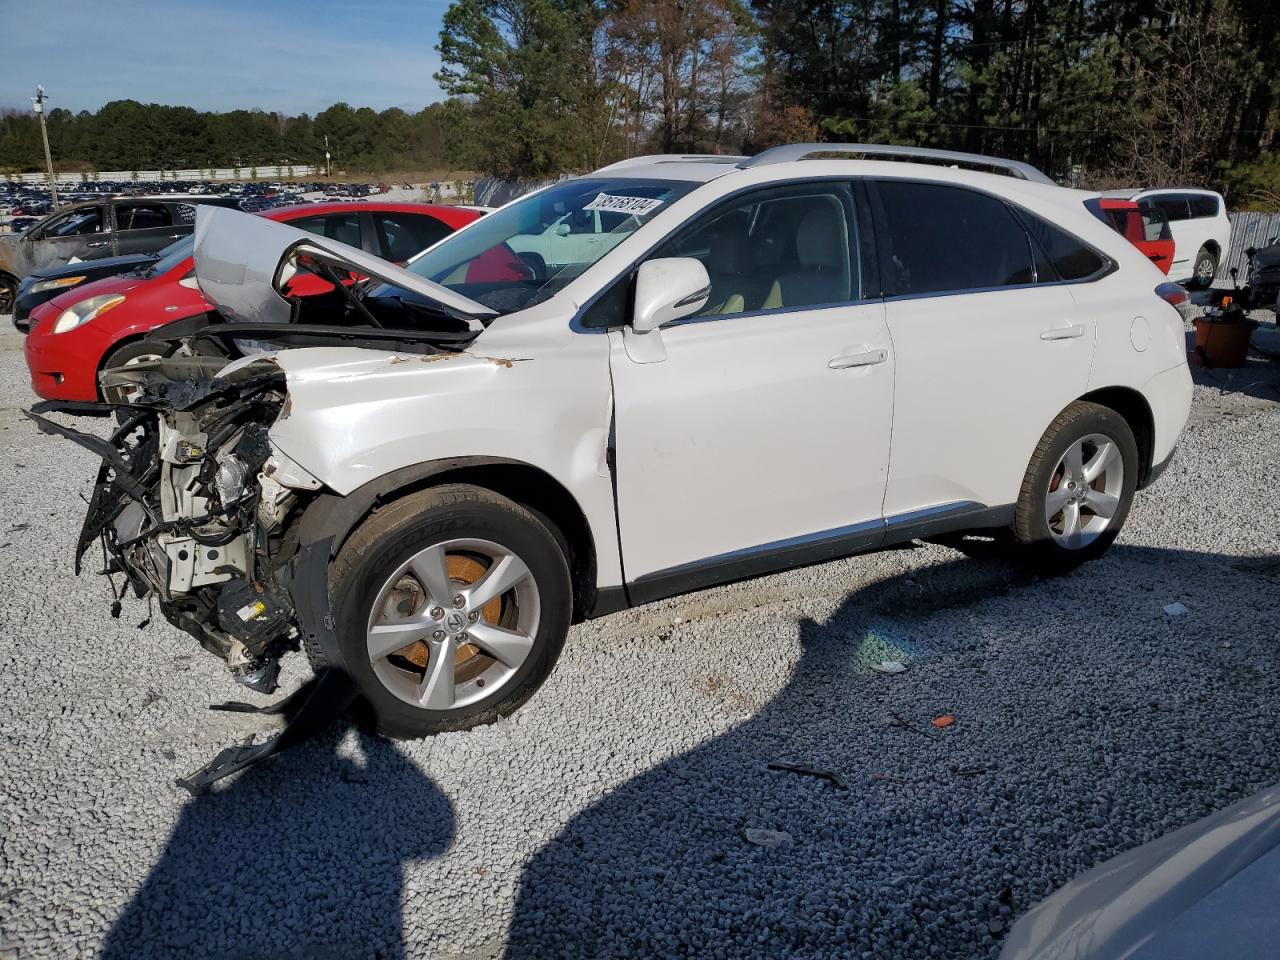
{"x":190,"y":510}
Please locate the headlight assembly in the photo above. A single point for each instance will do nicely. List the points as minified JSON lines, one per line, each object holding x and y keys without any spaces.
{"x":86,"y":310}
{"x":60,"y":283}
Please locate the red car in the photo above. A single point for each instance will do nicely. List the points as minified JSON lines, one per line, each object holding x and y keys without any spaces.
{"x":104,"y":324}
{"x":1146,"y":229}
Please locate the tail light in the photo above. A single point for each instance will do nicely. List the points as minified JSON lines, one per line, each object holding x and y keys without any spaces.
{"x":1175,"y":295}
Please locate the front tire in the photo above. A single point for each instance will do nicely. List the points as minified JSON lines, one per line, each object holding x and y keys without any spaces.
{"x":1078,"y":488}
{"x":8,"y":293}
{"x":450,"y":609}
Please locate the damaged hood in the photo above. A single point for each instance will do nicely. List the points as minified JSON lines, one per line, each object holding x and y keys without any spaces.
{"x":241,"y":261}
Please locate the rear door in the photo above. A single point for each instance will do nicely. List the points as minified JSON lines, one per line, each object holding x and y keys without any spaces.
{"x":986,"y":355}
{"x":1185,"y":231}
{"x":145,"y":226}
{"x":400,"y":234}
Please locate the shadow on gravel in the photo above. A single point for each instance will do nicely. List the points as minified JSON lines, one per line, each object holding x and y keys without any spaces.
{"x":300,"y":858}
{"x":1088,"y":721}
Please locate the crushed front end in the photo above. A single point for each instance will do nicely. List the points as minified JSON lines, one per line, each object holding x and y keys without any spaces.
{"x":194,"y":507}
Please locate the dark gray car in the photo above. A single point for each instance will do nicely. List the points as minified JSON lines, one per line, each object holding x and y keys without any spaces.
{"x":91,"y":229}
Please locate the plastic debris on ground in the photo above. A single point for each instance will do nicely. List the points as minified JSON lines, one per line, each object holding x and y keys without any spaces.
{"x":772,"y":839}
{"x":889,"y":667}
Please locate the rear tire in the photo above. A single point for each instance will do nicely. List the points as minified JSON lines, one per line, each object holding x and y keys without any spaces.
{"x":1203,"y":270}
{"x":448,"y":675}
{"x":1078,"y":488}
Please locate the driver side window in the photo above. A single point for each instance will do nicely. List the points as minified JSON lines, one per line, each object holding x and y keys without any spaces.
{"x":776,"y":249}
{"x":77,"y":223}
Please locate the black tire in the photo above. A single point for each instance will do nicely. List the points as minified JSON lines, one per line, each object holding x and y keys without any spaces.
{"x":1203,"y":270}
{"x":124,"y":353}
{"x":387,"y":539}
{"x":8,"y":293}
{"x":1031,"y":525}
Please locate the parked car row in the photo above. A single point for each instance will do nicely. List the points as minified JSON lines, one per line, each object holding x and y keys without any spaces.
{"x":670,"y":373}
{"x":92,"y":226}
{"x":87,"y":317}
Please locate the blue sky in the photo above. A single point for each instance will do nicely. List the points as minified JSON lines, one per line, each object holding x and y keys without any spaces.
{"x":290,"y":55}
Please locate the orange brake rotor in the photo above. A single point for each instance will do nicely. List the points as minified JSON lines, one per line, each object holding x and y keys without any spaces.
{"x":462,"y":570}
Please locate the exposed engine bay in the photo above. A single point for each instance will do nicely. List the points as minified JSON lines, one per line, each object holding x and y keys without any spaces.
{"x":189,"y":508}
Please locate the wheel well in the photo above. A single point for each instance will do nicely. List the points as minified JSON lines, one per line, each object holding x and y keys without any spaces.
{"x":543,"y":495}
{"x":1133,"y":406}
{"x":1212,"y":247}
{"x":102,"y":360}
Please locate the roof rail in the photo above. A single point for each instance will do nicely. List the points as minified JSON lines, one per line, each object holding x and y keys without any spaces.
{"x":673,"y":158}
{"x":801,"y":151}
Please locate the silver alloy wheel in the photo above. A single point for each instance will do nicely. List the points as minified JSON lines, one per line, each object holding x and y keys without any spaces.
{"x":453,"y":624}
{"x":1084,"y":491}
{"x":1205,"y":270}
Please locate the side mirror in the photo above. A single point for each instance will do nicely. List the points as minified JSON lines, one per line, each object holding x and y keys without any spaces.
{"x":668,"y":289}
{"x":561,"y":229}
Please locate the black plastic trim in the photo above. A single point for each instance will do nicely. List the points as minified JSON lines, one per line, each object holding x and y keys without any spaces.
{"x":818,"y":548}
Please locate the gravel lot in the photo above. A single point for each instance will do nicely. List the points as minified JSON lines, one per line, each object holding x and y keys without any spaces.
{"x":610,"y":817}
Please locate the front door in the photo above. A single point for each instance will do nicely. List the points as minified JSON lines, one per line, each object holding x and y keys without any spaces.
{"x":762,"y":439}
{"x":80,"y":234}
{"x":1186,"y":235}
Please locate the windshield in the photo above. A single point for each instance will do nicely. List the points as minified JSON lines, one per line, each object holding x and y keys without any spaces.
{"x":172,"y":255}
{"x":529,"y":250}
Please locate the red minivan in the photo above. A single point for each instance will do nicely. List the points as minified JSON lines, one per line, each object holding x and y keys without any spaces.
{"x":104,"y":324}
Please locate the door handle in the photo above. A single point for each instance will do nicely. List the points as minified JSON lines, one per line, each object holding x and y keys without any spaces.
{"x":866,"y":358}
{"x":1070,"y":332}
{"x":175,"y":236}
{"x":97,"y":243}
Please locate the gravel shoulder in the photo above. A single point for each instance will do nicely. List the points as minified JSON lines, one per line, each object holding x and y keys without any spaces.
{"x":609,"y":818}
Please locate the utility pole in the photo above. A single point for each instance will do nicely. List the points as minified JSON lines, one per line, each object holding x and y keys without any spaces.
{"x":37,"y":104}
{"x":328,"y":170}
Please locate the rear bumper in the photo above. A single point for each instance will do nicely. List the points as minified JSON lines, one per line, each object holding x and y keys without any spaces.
{"x":1169,"y":396}
{"x":1157,"y":469}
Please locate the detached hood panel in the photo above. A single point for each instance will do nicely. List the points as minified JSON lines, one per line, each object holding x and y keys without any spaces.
{"x":241,"y":260}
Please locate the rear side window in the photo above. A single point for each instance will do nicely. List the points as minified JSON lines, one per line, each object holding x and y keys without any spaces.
{"x":138,"y":216}
{"x":343,"y":227}
{"x":1172,"y":205}
{"x":1069,"y":258}
{"x":941,"y":239}
{"x":402,"y":235}
{"x":1203,"y":205}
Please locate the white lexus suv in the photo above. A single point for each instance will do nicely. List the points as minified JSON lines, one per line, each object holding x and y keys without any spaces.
{"x":756,"y":364}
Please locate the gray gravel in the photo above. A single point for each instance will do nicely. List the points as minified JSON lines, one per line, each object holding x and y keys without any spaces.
{"x":610,"y":817}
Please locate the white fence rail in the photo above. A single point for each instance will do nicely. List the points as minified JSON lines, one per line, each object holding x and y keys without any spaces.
{"x":267,"y":172}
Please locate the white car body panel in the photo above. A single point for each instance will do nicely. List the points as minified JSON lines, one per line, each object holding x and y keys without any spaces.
{"x":357,"y":414}
{"x":746,"y":436}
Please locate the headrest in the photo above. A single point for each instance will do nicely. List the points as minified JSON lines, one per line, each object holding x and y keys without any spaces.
{"x":819,"y":239}
{"x":730,"y":252}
